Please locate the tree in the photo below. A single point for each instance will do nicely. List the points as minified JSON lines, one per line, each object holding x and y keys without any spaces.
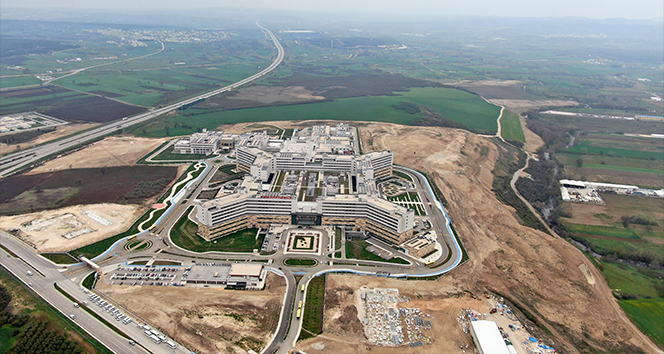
{"x":579,"y":162}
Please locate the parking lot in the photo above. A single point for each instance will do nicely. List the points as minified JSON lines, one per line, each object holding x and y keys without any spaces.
{"x":149,"y":275}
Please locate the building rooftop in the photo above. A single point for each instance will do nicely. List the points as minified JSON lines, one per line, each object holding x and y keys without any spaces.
{"x":489,"y":339}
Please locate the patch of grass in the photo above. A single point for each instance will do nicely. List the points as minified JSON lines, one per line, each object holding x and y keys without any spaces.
{"x":312,"y":318}
{"x":647,"y":314}
{"x":510,"y":127}
{"x":300,"y":262}
{"x":402,"y":175}
{"x":60,"y":258}
{"x":357,"y":249}
{"x":641,"y":294}
{"x":6,"y":340}
{"x":90,"y":280}
{"x":338,"y":235}
{"x":602,"y":230}
{"x":586,"y":147}
{"x":168,"y":154}
{"x":184,"y":235}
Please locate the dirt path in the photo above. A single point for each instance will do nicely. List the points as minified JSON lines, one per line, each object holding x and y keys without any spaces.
{"x":539,"y":272}
{"x":515,"y":177}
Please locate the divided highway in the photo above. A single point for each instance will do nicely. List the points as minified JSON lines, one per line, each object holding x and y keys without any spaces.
{"x":15,"y":161}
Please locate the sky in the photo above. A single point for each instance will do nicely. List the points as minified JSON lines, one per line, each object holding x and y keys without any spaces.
{"x":596,"y":9}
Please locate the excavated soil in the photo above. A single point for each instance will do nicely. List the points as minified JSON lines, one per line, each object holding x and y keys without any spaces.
{"x":112,"y":151}
{"x":537,"y":271}
{"x":540,"y":273}
{"x":206,"y":320}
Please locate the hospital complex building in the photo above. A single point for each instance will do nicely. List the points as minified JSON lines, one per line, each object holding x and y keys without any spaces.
{"x":317,"y":177}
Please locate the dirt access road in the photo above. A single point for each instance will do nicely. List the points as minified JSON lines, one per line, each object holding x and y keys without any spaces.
{"x":539,"y":272}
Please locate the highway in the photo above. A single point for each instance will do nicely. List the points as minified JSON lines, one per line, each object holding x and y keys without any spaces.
{"x":13,"y":162}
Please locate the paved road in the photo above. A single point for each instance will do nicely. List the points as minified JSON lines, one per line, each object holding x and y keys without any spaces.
{"x":15,"y":161}
{"x":284,"y":338}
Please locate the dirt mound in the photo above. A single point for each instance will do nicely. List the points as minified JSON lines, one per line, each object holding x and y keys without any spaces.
{"x":539,"y":272}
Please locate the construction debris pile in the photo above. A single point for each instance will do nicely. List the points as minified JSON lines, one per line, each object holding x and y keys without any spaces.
{"x":386,"y":324}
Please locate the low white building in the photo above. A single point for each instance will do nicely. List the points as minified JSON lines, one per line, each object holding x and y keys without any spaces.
{"x":487,"y":337}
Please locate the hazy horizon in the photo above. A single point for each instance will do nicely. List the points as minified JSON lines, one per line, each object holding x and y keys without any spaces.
{"x":592,"y":9}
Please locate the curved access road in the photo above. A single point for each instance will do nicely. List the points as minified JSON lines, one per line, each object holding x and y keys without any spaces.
{"x":13,"y":162}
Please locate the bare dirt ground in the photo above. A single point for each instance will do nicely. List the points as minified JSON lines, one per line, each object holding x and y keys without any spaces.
{"x":60,"y":131}
{"x":206,"y":320}
{"x":520,"y":106}
{"x":47,"y":235}
{"x":271,"y":94}
{"x":112,"y":151}
{"x":539,"y":272}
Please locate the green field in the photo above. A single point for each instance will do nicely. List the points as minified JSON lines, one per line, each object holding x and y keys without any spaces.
{"x":457,"y":105}
{"x":613,"y":163}
{"x":153,"y":87}
{"x":647,"y":314}
{"x":168,"y":154}
{"x":7,"y":82}
{"x":510,"y":127}
{"x":603,"y":231}
{"x":312,"y":318}
{"x":642,"y":293}
{"x":586,"y":147}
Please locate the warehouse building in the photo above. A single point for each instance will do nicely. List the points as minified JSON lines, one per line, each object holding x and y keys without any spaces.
{"x":487,"y":337}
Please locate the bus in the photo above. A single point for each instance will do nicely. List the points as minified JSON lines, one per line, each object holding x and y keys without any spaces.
{"x":132,"y":238}
{"x":152,"y":227}
{"x":302,"y":288}
{"x":299,"y":306}
{"x":299,"y":313}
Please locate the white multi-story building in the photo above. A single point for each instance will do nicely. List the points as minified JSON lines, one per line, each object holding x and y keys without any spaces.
{"x":323,"y":154}
{"x":204,"y":143}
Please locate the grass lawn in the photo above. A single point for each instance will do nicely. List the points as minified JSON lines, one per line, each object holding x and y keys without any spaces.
{"x":169,"y":155}
{"x":184,"y":235}
{"x":60,"y":258}
{"x":89,"y":281}
{"x":510,"y":127}
{"x":358,"y":250}
{"x":299,"y":262}
{"x":312,"y":318}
